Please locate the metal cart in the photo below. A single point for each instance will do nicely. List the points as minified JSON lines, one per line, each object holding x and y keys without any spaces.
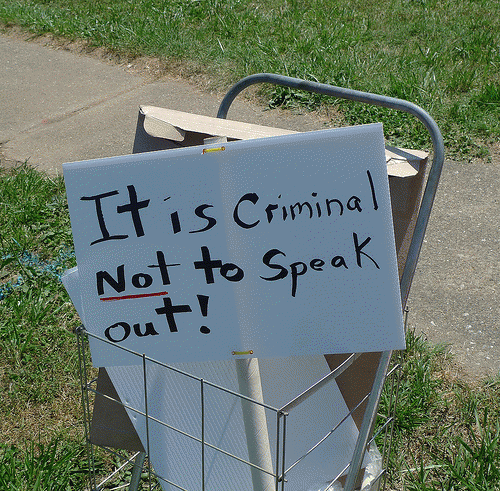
{"x":371,"y":399}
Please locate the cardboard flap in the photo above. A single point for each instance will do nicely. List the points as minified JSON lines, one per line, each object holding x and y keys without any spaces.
{"x":404,"y":163}
{"x":233,"y":130}
{"x":193,"y":129}
{"x":162,"y":129}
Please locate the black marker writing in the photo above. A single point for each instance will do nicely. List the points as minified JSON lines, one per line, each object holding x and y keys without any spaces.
{"x":300,"y":268}
{"x":229,"y":271}
{"x":200,"y":212}
{"x":359,"y":250}
{"x":139,"y":280}
{"x":169,"y":310}
{"x":113,"y":332}
{"x":133,"y":208}
{"x":100,"y":217}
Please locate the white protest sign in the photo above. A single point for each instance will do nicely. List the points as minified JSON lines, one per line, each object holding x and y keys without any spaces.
{"x":273,"y":247}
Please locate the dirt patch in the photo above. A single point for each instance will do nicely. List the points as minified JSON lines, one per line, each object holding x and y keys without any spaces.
{"x":494,"y":150}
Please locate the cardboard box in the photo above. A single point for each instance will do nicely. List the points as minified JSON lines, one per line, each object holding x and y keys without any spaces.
{"x":161,"y":129}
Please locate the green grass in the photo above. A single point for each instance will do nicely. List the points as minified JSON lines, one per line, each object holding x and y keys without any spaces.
{"x":446,"y":432}
{"x":39,"y":393}
{"x":41,"y":421}
{"x":36,"y":314}
{"x":41,"y":467}
{"x":443,"y":55}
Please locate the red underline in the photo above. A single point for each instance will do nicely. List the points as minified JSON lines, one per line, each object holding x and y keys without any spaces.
{"x":127,"y":297}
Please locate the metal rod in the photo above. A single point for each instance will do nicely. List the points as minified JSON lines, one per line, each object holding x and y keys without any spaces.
{"x":115,"y":453}
{"x":140,"y":457}
{"x":392,"y":370}
{"x":283,"y":456}
{"x":387,"y":437}
{"x":86,"y":405}
{"x":117,"y":470}
{"x":170,"y":482}
{"x":368,"y":420}
{"x":341,"y":473}
{"x":147,"y":417}
{"x":350,"y":413}
{"x":278,"y":422}
{"x":382,"y":473}
{"x":320,"y":383}
{"x":394,"y":403}
{"x":384,"y":426}
{"x":202,"y":435}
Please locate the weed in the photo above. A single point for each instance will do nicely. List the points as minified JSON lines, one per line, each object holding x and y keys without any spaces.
{"x":489,"y":96}
{"x":40,"y":467}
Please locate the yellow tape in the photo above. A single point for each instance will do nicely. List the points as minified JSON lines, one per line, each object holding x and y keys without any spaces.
{"x":249,"y":352}
{"x":218,"y":149}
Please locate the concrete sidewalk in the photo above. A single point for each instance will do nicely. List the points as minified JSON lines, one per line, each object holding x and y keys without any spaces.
{"x":57,"y":106}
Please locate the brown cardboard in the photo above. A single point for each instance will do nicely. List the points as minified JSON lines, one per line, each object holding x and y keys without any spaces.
{"x":406,"y":194}
{"x":111,"y":425}
{"x":162,"y":129}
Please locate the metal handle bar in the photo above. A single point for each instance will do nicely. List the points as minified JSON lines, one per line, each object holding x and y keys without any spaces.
{"x":376,"y":100}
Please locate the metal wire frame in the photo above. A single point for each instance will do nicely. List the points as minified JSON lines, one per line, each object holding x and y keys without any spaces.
{"x":87,"y":387}
{"x":82,"y":344}
{"x":282,"y":414}
{"x":136,"y":460}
